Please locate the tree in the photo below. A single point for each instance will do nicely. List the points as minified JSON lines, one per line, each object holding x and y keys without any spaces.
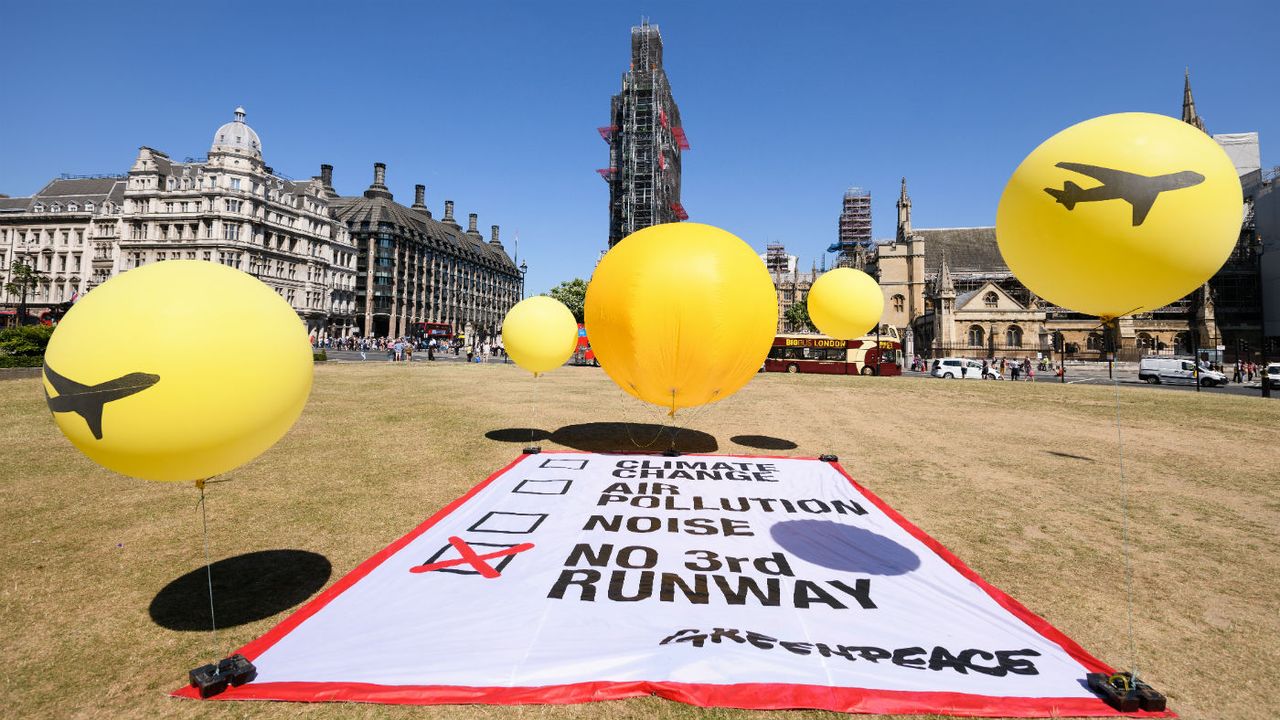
{"x":21,"y":280}
{"x":797,"y":316}
{"x":573,"y":293}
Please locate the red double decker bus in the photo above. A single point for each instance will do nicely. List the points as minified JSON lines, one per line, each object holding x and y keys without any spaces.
{"x":442,"y":331}
{"x":866,"y":355}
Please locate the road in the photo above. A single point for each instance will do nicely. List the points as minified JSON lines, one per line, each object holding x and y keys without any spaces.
{"x":1246,"y":389}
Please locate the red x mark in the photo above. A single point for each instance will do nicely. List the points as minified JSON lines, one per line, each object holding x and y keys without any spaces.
{"x":470,"y":556}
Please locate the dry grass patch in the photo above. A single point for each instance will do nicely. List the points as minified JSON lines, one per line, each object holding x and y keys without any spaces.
{"x":1020,"y":480}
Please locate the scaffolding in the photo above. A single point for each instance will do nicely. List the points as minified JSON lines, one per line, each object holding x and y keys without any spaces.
{"x":645,"y":143}
{"x":854,"y":239}
{"x":775,"y":258}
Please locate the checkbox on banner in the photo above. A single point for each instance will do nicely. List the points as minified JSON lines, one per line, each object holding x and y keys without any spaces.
{"x":542,"y":487}
{"x":508,"y":523}
{"x":563,"y":464}
{"x":449,"y":559}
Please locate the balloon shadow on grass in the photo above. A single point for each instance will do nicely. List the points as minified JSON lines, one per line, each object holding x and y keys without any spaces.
{"x":619,"y":437}
{"x":246,"y":588}
{"x":518,"y":435}
{"x":764,"y":442}
{"x":844,"y":547}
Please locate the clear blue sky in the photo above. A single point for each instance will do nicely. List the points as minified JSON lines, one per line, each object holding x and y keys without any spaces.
{"x":495,"y":105}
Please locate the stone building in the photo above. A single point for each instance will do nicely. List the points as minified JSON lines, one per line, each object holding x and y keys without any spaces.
{"x":348,"y":265}
{"x":228,"y":207}
{"x":66,"y":232}
{"x":416,"y":269}
{"x":951,"y":290}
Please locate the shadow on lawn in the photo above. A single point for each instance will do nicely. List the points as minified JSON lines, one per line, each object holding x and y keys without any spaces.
{"x":764,"y":442}
{"x":246,"y":588}
{"x":615,"y":437}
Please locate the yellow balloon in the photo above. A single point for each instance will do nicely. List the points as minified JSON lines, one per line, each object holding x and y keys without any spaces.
{"x":845,"y":303}
{"x":1120,"y":214}
{"x":539,"y":333}
{"x":180,"y":370}
{"x":681,"y":314}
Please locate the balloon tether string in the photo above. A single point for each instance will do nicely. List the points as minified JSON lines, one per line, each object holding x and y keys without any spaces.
{"x":1124,"y":512}
{"x":208,"y":567}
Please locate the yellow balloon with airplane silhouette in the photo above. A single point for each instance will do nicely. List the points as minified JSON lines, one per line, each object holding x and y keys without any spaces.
{"x":1120,"y":214}
{"x":179,"y":370}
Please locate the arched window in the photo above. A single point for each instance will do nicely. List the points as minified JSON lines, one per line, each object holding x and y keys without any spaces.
{"x":991,"y":299}
{"x":1146,"y":341}
{"x":975,"y":335}
{"x":1013,"y":336}
{"x":899,"y":302}
{"x":1094,"y":342}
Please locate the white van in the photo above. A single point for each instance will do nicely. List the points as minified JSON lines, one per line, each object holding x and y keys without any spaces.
{"x":1178,"y":371}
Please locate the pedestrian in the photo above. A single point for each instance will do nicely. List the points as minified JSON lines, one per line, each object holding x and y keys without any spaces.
{"x":1002,"y":368}
{"x":431,"y":350}
{"x":471,"y":351}
{"x":986,"y":370}
{"x":408,"y":352}
{"x":1031,"y":371}
{"x":1014,"y":369}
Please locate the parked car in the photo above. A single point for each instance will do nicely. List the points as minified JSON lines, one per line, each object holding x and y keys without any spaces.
{"x":1178,"y":371}
{"x":1272,"y":375}
{"x":952,"y":368}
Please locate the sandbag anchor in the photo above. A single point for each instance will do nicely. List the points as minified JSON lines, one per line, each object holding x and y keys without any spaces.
{"x":828,"y":458}
{"x":532,"y":450}
{"x":1125,"y":693}
{"x":212,"y":679}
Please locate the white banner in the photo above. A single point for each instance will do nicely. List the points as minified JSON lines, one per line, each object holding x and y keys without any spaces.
{"x":714,"y":580}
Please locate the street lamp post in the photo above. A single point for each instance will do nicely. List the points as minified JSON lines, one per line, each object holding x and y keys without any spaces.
{"x":524,"y":268}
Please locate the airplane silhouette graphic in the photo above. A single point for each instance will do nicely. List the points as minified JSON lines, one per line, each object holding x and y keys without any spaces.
{"x":1140,"y":191}
{"x":87,"y":400}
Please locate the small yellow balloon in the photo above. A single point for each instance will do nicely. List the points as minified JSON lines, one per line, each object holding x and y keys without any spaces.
{"x":845,"y":303}
{"x":681,"y":314}
{"x":1120,"y":214}
{"x":540,"y":334}
{"x":180,"y":370}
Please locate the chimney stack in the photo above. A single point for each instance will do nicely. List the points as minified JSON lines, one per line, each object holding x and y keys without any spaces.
{"x":379,"y":186}
{"x":448,"y":213}
{"x":419,"y":196}
{"x":493,"y":235}
{"x":326,"y":176}
{"x":471,"y":224}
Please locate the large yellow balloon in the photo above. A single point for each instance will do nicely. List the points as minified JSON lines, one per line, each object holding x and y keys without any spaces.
{"x":845,"y":303}
{"x":681,"y":314}
{"x":539,"y":333}
{"x":180,"y":370}
{"x":1120,"y":214}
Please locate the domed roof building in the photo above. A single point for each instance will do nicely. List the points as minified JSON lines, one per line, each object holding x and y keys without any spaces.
{"x":237,"y":137}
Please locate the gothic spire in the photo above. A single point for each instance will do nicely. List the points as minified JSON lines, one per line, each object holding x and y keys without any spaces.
{"x":1189,"y":114}
{"x":904,"y":214}
{"x":945,"y":287}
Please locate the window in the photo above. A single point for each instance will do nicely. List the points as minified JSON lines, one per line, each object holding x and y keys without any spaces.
{"x":899,"y":302}
{"x":990,"y":300}
{"x":72,"y":207}
{"x":38,"y":207}
{"x":1094,"y":342}
{"x":231,"y":232}
{"x":1013,"y":336}
{"x":88,"y":206}
{"x":975,"y":335}
{"x":235,"y":183}
{"x":233,"y":206}
{"x":56,"y":207}
{"x":1146,"y":341}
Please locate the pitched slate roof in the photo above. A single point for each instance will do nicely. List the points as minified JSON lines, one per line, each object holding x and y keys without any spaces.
{"x":968,"y":250}
{"x":374,"y":210}
{"x":69,"y":190}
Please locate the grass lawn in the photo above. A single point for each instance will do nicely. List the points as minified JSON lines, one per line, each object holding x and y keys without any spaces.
{"x":1019,"y":480}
